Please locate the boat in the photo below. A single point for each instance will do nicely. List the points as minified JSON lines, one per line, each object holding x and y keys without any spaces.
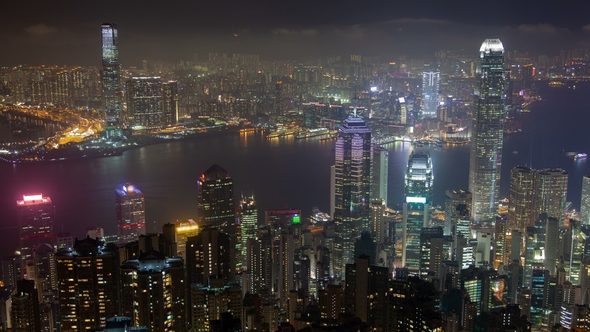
{"x":556,"y":84}
{"x":312,"y":133}
{"x":580,"y":156}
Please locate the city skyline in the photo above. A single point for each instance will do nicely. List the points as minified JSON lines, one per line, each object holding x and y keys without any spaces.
{"x":242,"y":27}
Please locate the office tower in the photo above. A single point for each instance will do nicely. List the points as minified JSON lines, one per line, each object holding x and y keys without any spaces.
{"x":259,"y":262}
{"x":539,"y":280}
{"x":152,"y":291}
{"x":130,"y":213}
{"x":45,"y":274}
{"x":111,"y":74}
{"x":216,"y":199}
{"x":169,"y":103}
{"x":457,"y":208}
{"x":520,"y":204}
{"x":208,"y":255}
{"x":418,"y":192}
{"x":352,"y":183}
{"x":378,"y":221}
{"x":364,"y":292}
{"x":380,"y":174}
{"x":88,"y":284}
{"x":550,"y":193}
{"x":24,"y":312}
{"x":184,"y":229}
{"x":167,"y":241}
{"x":585,"y":201}
{"x":12,"y":270}
{"x":35,"y":222}
{"x":431,"y":254}
{"x":285,"y":257}
{"x":248,"y":214}
{"x":430,"y":88}
{"x":211,"y":302}
{"x":411,"y":306}
{"x":488,"y":130}
{"x":144,"y":102}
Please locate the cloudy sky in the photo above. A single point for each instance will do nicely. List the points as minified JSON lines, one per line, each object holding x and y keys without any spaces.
{"x":68,"y":32}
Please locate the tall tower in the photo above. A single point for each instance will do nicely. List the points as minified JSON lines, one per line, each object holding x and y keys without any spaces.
{"x":352,"y":183}
{"x":144,"y":101}
{"x":170,"y":102}
{"x":520,"y":204}
{"x":130,"y":213}
{"x":585,"y":201}
{"x":457,"y":209}
{"x":380,"y":174}
{"x":35,"y":222}
{"x":430,"y":87}
{"x":111,"y":73}
{"x":418,"y":188}
{"x":488,"y":130}
{"x":216,"y":199}
{"x":550,"y":193}
{"x":249,"y":223}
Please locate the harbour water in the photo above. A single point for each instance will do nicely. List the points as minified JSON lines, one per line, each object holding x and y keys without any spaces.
{"x":280,"y":172}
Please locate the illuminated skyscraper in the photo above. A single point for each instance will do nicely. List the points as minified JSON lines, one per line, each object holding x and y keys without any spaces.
{"x":35,"y":222}
{"x":457,"y":210}
{"x":352,"y":183}
{"x":130,"y":213}
{"x":380,"y":174}
{"x":488,"y":131}
{"x":144,"y":101}
{"x":111,"y":73}
{"x":418,"y":189}
{"x":170,"y":103}
{"x":430,"y":87}
{"x":585,"y":201}
{"x":249,"y":223}
{"x":520,"y":204}
{"x":550,"y":193}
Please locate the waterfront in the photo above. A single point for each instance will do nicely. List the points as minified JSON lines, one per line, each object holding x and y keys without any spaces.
{"x":278,"y":171}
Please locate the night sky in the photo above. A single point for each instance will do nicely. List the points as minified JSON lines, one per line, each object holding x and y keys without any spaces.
{"x":68,"y":32}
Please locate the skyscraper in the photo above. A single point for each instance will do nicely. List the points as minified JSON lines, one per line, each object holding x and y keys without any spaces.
{"x":457,"y":209}
{"x":430,"y":87}
{"x":170,"y":103}
{"x":35,"y":222}
{"x":352,"y":183}
{"x":216,"y":199}
{"x":380,"y":174}
{"x":418,"y":190}
{"x":520,"y":203}
{"x":550,"y":193}
{"x":488,"y":130}
{"x":249,"y":223}
{"x":144,"y":101}
{"x":111,"y":73}
{"x":130,"y":213}
{"x":585,"y":201}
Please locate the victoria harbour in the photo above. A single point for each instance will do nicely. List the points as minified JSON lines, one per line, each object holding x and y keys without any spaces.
{"x":282,"y":171}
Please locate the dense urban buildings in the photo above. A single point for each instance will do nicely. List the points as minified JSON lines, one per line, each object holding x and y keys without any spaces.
{"x":487,"y":131}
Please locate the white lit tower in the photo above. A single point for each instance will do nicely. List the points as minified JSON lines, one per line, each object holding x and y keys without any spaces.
{"x":248,"y":214}
{"x":418,"y":192}
{"x":111,"y":73}
{"x":488,"y":130}
{"x":130,"y":213}
{"x":352,"y":183}
{"x":430,"y":88}
{"x":585,"y":201}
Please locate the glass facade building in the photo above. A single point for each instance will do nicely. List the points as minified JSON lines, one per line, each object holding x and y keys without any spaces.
{"x":430,"y":88}
{"x":130,"y":213}
{"x":144,"y":101}
{"x":488,"y":130}
{"x":352,"y":183}
{"x":111,"y":73}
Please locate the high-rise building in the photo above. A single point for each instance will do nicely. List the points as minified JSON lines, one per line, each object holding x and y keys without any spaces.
{"x":520,"y":204}
{"x":144,"y":101}
{"x":430,"y":88}
{"x":170,"y":103}
{"x":130,"y":213}
{"x":457,"y":208}
{"x":352,"y":183}
{"x":153,"y":292}
{"x":24,"y":311}
{"x":488,"y":131}
{"x":35,"y":222}
{"x":550,"y":193}
{"x":212,"y":301}
{"x":216,"y":199}
{"x":184,"y":229}
{"x":418,"y":192}
{"x":88,"y":284}
{"x":380,"y":174}
{"x":248,"y":214}
{"x":431,"y":254}
{"x":585,"y":201}
{"x":111,"y":73}
{"x":208,"y":255}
